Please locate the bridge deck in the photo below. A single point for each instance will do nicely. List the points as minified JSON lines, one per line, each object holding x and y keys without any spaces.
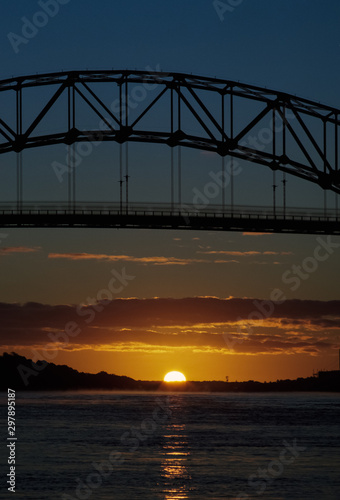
{"x":165,"y":218}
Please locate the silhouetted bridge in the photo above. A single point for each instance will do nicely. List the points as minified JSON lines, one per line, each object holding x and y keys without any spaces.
{"x":164,"y":216}
{"x":177,"y":110}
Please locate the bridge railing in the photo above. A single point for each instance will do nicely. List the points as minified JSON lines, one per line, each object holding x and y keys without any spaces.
{"x":166,"y":209}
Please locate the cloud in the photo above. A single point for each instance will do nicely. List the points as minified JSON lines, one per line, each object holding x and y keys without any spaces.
{"x":13,"y":250}
{"x":208,"y":324}
{"x":243,"y":254}
{"x":155,"y":261}
{"x":169,"y":311}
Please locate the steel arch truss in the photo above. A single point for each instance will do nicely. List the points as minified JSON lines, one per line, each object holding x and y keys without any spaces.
{"x":275,"y":129}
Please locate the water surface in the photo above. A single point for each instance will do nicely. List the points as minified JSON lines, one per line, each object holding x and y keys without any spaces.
{"x":176,"y":446}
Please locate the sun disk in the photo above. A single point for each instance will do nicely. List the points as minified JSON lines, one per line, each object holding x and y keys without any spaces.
{"x":174,"y":377}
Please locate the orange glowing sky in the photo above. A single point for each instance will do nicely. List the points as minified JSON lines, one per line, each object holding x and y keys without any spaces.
{"x":223,"y":306}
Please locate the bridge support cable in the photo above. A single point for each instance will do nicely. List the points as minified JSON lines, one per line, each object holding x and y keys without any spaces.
{"x":274,"y":193}
{"x":231,"y":114}
{"x":284,"y":182}
{"x":274,"y":156}
{"x":325,"y":165}
{"x":172,"y":182}
{"x":284,"y":133}
{"x":336,"y":161}
{"x":179,"y":159}
{"x":126,"y":112}
{"x":172,"y":173}
{"x":19,"y":153}
{"x":74,"y":172}
{"x":223,"y":184}
{"x":120,"y":179}
{"x":179,"y":108}
{"x":127,"y":177}
{"x":232,"y":186}
{"x":19,"y":181}
{"x":274,"y":135}
{"x":223,"y":158}
{"x":179,"y":151}
{"x":231,"y":158}
{"x":71,"y":177}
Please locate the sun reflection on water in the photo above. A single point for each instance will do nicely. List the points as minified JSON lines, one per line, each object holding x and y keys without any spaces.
{"x":176,"y":478}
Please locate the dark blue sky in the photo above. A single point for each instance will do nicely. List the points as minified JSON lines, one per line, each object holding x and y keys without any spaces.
{"x":287,"y":44}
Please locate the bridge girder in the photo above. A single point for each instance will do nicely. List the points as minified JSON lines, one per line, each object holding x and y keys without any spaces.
{"x":313,"y":156}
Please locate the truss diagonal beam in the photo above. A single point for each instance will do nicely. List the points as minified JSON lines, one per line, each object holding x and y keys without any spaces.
{"x":311,"y":138}
{"x":44,"y":111}
{"x":100,"y":102}
{"x":89,"y":103}
{"x":207,"y":112}
{"x":147,"y":109}
{"x":302,"y":147}
{"x":4,"y":125}
{"x":196,"y":115}
{"x":252,"y":123}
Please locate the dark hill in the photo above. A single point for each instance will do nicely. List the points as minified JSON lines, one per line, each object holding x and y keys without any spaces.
{"x":20,"y":373}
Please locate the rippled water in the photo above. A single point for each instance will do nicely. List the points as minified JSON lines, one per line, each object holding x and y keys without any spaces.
{"x":157,"y":446}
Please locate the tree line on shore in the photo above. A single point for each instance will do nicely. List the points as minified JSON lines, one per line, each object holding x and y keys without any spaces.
{"x":20,"y":373}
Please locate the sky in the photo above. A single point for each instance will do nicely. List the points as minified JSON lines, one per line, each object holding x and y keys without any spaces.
{"x":145,"y":302}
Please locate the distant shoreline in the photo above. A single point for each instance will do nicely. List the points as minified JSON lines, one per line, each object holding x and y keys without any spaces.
{"x":22,"y":374}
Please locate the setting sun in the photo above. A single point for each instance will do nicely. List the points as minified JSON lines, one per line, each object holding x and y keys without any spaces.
{"x":174,"y":377}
